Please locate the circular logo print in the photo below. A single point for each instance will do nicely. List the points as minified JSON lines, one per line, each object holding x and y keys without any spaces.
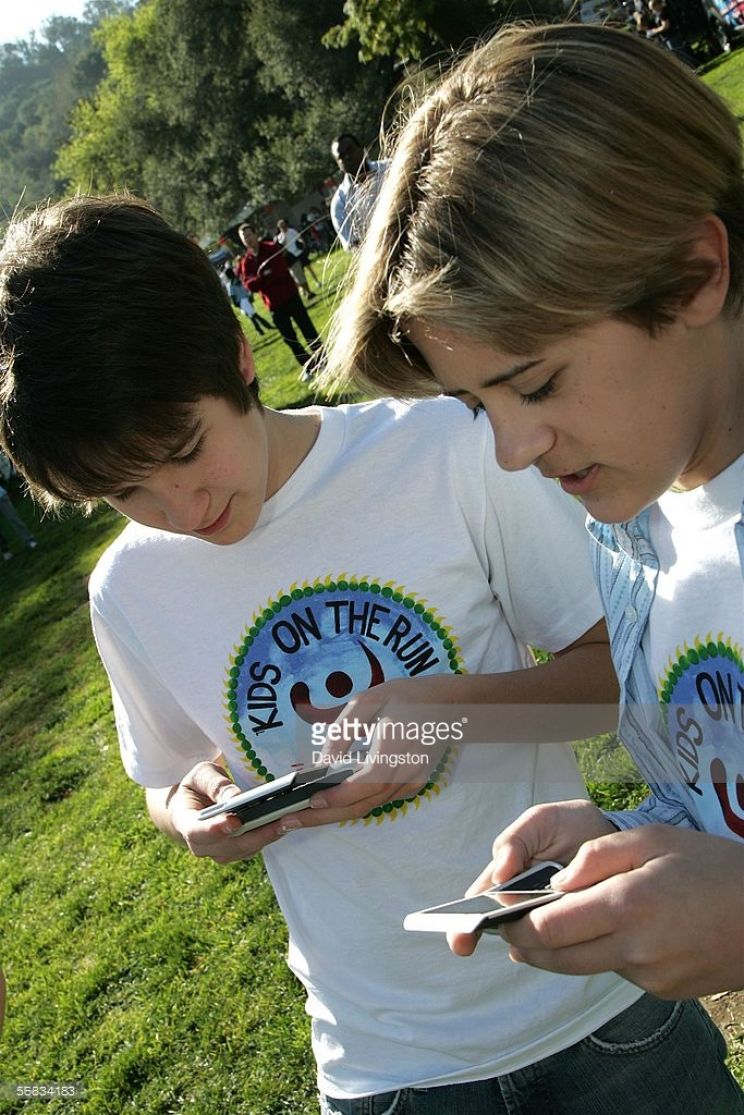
{"x":307,"y":653}
{"x":702,"y":701}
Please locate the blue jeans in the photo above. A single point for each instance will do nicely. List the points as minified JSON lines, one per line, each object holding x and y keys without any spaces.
{"x":656,"y":1058}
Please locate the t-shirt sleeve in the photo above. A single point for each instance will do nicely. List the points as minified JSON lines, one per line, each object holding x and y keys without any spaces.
{"x":651,"y":811}
{"x":539,"y":556}
{"x":159,"y":743}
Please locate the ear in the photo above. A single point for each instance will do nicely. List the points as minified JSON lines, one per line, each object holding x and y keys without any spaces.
{"x":247,"y":364}
{"x":711,"y":247}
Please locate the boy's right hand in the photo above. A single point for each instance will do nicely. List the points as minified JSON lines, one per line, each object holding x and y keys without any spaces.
{"x":553,"y":831}
{"x":206,"y":784}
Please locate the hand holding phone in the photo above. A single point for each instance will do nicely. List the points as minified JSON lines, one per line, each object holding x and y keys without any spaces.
{"x":288,"y":794}
{"x":485,"y":912}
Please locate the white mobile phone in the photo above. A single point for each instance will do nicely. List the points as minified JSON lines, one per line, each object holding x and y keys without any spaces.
{"x":487,"y":911}
{"x":288,"y":794}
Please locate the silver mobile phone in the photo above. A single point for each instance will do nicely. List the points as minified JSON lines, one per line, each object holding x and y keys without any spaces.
{"x":288,"y":794}
{"x":485,"y":912}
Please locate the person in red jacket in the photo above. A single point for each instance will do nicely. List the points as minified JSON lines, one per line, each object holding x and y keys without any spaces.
{"x":264,"y":268}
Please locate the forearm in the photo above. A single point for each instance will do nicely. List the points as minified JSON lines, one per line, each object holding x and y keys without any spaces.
{"x":158,"y":806}
{"x":572,"y":696}
{"x":582,"y":676}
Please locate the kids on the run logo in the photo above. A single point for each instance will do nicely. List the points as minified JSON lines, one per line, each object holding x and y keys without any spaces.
{"x":702,"y":700}
{"x":309,"y":651}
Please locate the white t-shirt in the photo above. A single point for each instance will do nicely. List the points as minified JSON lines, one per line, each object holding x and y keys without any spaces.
{"x":694,"y":643}
{"x":353,"y":202}
{"x":397,"y":548}
{"x":289,"y":240}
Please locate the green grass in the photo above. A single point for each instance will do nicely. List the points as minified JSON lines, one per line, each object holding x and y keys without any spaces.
{"x":726,"y":77}
{"x":156,"y":980}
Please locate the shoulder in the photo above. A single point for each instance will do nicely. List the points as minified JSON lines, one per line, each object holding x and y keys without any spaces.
{"x":426,"y":437}
{"x":132,"y":563}
{"x":440,"y":418}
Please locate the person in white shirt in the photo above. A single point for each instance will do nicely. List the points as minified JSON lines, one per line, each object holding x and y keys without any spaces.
{"x":354,"y":199}
{"x":560,"y":243}
{"x":298,"y":256}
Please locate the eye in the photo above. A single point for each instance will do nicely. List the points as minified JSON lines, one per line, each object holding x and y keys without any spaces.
{"x":542,"y":392}
{"x":122,"y":497}
{"x":192,"y":454}
{"x":471,"y":402}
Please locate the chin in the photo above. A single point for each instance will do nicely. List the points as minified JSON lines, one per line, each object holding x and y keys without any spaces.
{"x":618,"y":510}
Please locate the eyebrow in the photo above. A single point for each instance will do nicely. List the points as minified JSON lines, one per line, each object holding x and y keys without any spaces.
{"x":502,"y":377}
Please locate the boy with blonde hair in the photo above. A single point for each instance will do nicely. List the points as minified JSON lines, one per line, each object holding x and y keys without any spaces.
{"x":572,"y":200}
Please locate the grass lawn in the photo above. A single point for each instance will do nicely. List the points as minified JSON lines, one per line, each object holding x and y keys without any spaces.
{"x":726,"y":77}
{"x":154,"y":980}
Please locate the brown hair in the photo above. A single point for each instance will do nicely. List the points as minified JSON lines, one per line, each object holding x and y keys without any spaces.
{"x":112,"y":325}
{"x":556,"y":176}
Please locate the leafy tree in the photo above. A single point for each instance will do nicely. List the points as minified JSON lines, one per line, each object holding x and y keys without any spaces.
{"x":207,"y":104}
{"x":411,"y":30}
{"x":40,"y":81}
{"x":315,"y":92}
{"x":170,"y":117}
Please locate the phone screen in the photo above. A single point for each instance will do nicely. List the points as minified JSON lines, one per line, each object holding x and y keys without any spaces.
{"x":534,"y":879}
{"x":488,"y":910}
{"x":489,"y":901}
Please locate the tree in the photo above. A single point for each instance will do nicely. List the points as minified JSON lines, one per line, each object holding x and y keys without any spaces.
{"x":411,"y":30}
{"x":40,"y":81}
{"x":316,"y":93}
{"x":209,"y":103}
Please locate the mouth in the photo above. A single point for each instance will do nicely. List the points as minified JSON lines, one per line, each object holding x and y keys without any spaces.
{"x":219,"y":523}
{"x":578,"y":483}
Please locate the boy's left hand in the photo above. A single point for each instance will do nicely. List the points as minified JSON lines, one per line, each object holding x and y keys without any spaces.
{"x":394,"y":768}
{"x":662,"y":906}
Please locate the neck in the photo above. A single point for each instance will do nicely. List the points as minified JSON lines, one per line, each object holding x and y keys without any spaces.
{"x":290,"y":437}
{"x":721,"y":369}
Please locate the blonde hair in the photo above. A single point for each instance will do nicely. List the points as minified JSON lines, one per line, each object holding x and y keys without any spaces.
{"x":556,"y":176}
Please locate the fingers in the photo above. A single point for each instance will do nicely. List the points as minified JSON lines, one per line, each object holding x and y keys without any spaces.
{"x":508,"y":862}
{"x":577,"y":960}
{"x":517,"y":847}
{"x":463,"y":944}
{"x":527,"y":838}
{"x":210,"y":781}
{"x":213,"y":839}
{"x":205,"y":784}
{"x":605,"y":856}
{"x":570,"y":921}
{"x":352,"y":800}
{"x":357,"y":724}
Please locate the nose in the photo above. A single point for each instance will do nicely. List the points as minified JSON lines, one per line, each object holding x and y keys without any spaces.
{"x":183,"y":509}
{"x":520,"y":440}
